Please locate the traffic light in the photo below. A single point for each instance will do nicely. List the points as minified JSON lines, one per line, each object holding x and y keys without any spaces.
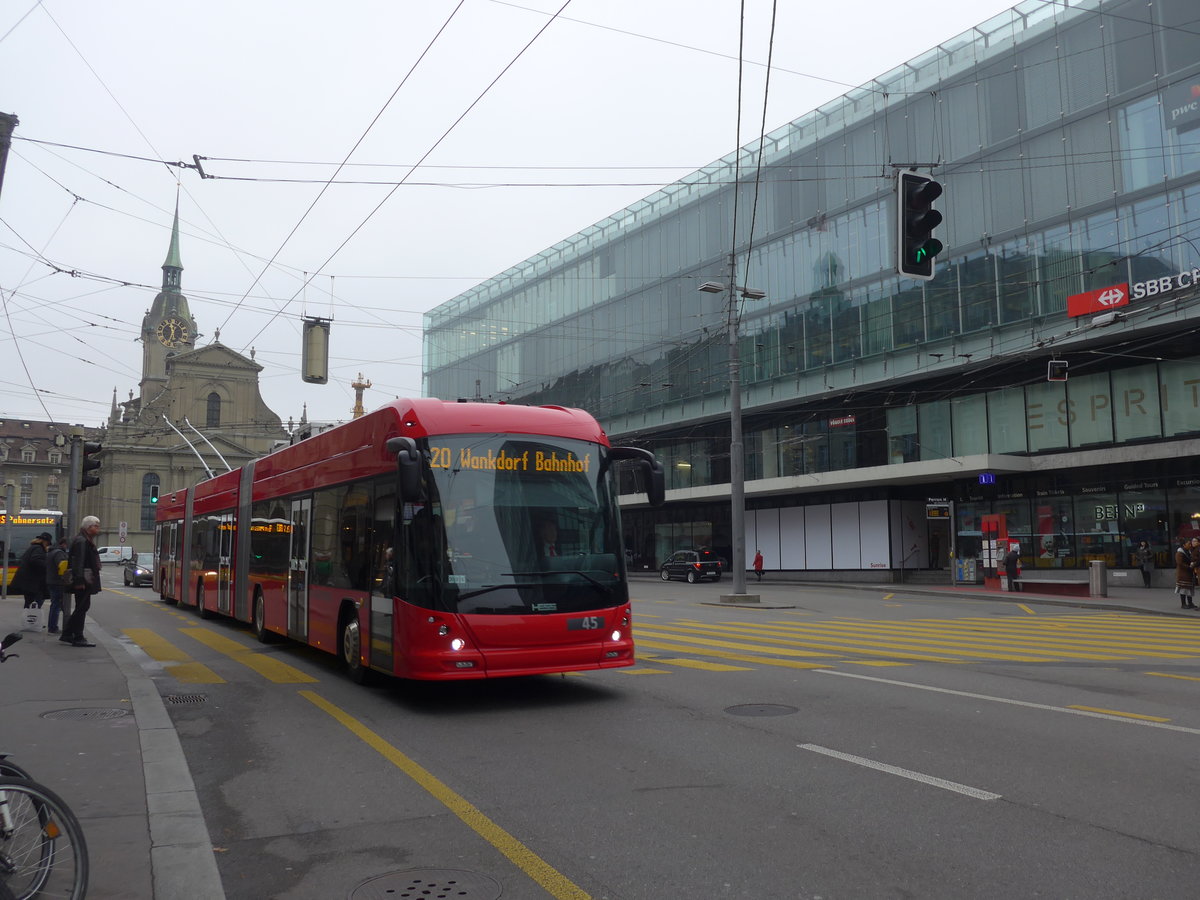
{"x":153,"y":494}
{"x":89,"y":464}
{"x":915,"y":220}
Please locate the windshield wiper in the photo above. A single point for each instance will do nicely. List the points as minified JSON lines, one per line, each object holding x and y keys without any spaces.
{"x":595,"y":583}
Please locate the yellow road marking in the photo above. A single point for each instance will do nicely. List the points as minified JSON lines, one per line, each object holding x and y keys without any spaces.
{"x":268,"y":667}
{"x":554,"y":882}
{"x":1169,"y":675}
{"x":177,"y":664}
{"x":736,"y":657}
{"x":702,"y":664}
{"x":874,"y":662}
{"x":1027,"y":609}
{"x":888,"y":596}
{"x":1124,"y":715}
{"x":643,"y":670}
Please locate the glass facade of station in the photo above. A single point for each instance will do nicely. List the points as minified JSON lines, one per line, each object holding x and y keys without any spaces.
{"x":1068,"y":141}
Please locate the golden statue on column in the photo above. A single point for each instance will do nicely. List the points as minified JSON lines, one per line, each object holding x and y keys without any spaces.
{"x":359,"y":386}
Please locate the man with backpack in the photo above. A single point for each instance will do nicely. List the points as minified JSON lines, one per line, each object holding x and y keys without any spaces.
{"x":58,"y":581}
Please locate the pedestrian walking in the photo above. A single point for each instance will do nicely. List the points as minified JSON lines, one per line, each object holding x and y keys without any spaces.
{"x":30,"y":577}
{"x":1185,"y":574}
{"x":83,"y":560}
{"x":1143,"y":558}
{"x":758,"y":564}
{"x":1012,"y":566}
{"x":58,"y":583}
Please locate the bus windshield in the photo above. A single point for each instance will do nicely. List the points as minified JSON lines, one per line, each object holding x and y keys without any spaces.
{"x":512,"y":524}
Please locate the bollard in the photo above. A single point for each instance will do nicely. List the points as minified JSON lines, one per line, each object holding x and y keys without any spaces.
{"x":1098,"y":576}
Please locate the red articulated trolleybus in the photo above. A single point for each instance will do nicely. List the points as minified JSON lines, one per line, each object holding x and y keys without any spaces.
{"x":416,"y":541}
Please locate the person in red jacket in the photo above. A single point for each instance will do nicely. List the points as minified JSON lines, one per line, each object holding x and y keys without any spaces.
{"x":758,"y":564}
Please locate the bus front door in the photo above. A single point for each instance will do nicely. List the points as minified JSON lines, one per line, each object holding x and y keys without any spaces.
{"x":224,"y":563}
{"x":298,"y":571}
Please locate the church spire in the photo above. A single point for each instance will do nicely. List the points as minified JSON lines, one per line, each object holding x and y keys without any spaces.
{"x":173,"y":267}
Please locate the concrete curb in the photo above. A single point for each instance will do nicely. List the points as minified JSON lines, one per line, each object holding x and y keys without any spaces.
{"x":181,"y":854}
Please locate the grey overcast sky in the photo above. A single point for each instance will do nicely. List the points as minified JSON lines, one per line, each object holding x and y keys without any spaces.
{"x":590,"y":111}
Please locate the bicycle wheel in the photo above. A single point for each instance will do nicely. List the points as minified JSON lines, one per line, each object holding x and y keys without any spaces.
{"x":42,"y":849}
{"x":9,"y":769}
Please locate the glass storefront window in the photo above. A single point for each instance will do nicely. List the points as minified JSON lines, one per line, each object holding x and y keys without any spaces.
{"x":1144,"y":518}
{"x":1099,"y":535}
{"x":1054,"y":533}
{"x":1183,"y":506}
{"x":1019,"y":525}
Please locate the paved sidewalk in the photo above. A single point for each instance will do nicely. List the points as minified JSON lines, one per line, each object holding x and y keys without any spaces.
{"x":90,"y":725}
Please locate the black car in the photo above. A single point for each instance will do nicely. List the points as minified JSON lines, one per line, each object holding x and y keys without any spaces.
{"x":692,"y":566}
{"x":137,"y":576}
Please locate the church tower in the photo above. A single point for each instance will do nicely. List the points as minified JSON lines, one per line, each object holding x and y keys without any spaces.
{"x":168,"y":328}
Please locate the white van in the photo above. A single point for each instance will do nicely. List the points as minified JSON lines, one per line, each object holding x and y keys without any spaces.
{"x":117,"y":554}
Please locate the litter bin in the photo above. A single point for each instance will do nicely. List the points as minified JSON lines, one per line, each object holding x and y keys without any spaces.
{"x":1098,"y":575}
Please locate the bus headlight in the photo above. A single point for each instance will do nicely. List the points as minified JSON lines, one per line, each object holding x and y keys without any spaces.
{"x":616,"y":635}
{"x":457,"y":644}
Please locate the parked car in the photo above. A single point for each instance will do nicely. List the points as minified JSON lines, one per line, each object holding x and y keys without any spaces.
{"x":137,"y":575}
{"x":692,"y":566}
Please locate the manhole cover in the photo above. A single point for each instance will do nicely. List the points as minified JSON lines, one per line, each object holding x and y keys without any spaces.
{"x":761,"y":709}
{"x":186,"y":698}
{"x":98,"y":714}
{"x":428,"y":884}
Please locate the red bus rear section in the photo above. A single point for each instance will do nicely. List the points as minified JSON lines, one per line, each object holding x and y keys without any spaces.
{"x":425,"y":540}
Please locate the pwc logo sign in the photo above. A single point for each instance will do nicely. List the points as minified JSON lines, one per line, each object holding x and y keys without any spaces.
{"x":1098,"y":301}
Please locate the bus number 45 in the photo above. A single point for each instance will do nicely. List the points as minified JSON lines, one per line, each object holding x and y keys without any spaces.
{"x":585,"y":623}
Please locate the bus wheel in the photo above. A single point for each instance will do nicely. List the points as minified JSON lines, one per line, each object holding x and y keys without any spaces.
{"x":352,"y":650}
{"x":260,"y":620}
{"x":201,"y":610}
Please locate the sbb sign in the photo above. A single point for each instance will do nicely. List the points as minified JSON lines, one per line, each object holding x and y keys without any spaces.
{"x":1104,"y":299}
{"x":1165,"y":285}
{"x":1100,"y":300}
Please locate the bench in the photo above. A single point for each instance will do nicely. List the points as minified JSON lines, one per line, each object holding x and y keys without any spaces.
{"x":1065,"y":586}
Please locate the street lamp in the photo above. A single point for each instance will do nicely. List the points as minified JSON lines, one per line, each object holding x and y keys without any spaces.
{"x":737,"y":458}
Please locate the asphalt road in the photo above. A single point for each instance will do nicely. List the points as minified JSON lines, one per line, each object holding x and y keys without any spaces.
{"x":847,"y":744}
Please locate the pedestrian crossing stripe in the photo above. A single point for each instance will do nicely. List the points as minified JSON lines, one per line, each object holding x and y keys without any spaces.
{"x":176,"y":663}
{"x":1100,"y":638}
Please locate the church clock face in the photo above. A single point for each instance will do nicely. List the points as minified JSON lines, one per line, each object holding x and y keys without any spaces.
{"x":172,"y":332}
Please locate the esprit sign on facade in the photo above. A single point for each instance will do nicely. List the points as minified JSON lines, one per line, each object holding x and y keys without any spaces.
{"x":1104,"y":299}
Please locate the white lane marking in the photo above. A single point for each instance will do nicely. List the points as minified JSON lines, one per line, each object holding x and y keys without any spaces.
{"x":1010,"y":702}
{"x":904,"y":773}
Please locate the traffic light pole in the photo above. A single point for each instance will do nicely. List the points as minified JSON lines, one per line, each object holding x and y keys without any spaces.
{"x":73,"y":481}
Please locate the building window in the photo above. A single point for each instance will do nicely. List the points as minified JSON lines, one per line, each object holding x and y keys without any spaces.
{"x":54,"y":457}
{"x":27,"y":456}
{"x":52,"y":498}
{"x":214,"y":410}
{"x":149,"y":480}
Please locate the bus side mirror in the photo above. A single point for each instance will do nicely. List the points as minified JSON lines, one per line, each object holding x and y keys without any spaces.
{"x":408,"y":464}
{"x":656,"y":490}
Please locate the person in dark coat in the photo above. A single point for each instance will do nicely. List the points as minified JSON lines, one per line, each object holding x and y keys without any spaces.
{"x":83,"y":560}
{"x":1143,"y":558}
{"x":1011,"y":561}
{"x":1185,"y":576}
{"x":30,"y":576}
{"x":57,"y":583}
